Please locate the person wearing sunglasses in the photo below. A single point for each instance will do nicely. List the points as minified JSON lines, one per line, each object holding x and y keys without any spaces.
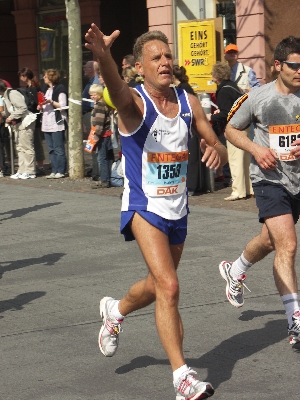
{"x":274,"y":109}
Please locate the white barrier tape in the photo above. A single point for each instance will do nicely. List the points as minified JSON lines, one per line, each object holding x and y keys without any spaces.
{"x":79,"y":102}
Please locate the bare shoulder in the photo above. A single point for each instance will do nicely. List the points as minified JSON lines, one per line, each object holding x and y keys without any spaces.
{"x":131,"y":116}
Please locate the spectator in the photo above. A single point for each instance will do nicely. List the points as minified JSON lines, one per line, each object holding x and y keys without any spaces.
{"x":26,"y":75}
{"x":246,"y":80}
{"x":181,"y":80}
{"x":91,"y":70}
{"x":64,"y":79}
{"x":8,"y":85}
{"x":128,"y":61}
{"x":100,"y":119}
{"x":2,"y":134}
{"x":131,"y":76}
{"x":239,"y":160}
{"x":241,"y":74}
{"x":53,"y":123}
{"x":23,"y":124}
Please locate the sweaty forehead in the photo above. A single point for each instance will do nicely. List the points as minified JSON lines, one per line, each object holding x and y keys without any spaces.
{"x":155,"y":47}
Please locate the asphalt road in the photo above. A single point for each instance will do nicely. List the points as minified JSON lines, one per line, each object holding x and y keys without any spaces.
{"x":62,"y":252}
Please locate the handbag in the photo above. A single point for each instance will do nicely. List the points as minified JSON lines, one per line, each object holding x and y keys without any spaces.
{"x":92,"y":141}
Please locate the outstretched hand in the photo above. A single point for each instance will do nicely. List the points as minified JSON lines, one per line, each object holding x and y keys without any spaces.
{"x":97,"y":42}
{"x":210,"y":155}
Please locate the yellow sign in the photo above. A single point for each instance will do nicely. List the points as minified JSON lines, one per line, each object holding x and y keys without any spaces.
{"x":197,"y":52}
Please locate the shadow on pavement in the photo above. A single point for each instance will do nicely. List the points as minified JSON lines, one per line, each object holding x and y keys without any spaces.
{"x":17,"y":303}
{"x":221,"y":360}
{"x":249,"y":315}
{"x":47,"y":259}
{"x":23,"y":211}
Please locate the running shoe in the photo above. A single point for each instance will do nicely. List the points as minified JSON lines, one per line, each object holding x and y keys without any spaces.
{"x":110,"y":329}
{"x":189,"y":388}
{"x":294,"y":330}
{"x":27,"y":176}
{"x":234,"y":287}
{"x":15,"y":176}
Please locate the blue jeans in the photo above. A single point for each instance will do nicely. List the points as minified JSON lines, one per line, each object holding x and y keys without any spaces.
{"x":55,"y":142}
{"x":105,"y":158}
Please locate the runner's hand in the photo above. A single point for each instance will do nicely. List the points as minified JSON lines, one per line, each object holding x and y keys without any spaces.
{"x":296,"y":150}
{"x":210,"y":155}
{"x":99,"y":43}
{"x":266,"y":158}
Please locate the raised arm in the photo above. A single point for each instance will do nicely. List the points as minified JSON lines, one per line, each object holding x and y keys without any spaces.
{"x":125,"y":99}
{"x":214,"y":153}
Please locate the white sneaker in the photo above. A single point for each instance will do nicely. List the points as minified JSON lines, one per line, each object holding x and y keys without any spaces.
{"x":1,"y":174}
{"x":51,"y":176}
{"x":27,"y":176}
{"x":188,"y":387}
{"x":59,"y":175}
{"x":15,"y":176}
{"x":109,"y":333}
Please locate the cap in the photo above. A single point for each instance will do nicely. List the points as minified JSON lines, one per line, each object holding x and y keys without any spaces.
{"x":231,"y":47}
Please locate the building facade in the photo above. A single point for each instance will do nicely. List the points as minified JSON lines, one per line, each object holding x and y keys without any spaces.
{"x":34,"y":33}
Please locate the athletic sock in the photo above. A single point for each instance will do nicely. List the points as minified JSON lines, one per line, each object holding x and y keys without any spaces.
{"x":239,"y":267}
{"x":115,"y":311}
{"x":178,"y":372}
{"x":291,"y":304}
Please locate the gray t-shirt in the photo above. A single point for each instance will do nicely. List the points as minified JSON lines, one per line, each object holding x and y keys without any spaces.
{"x":276,"y":119}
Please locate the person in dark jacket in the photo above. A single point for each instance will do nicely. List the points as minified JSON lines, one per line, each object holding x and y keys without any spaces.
{"x":26,"y":75}
{"x":227,"y":93}
{"x":181,"y":79}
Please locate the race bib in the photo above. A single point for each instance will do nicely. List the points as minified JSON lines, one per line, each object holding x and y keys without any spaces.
{"x":281,"y":137}
{"x":166,"y":173}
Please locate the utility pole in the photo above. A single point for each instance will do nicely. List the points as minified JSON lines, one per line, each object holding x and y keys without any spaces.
{"x":202,"y":9}
{"x":76,"y":161}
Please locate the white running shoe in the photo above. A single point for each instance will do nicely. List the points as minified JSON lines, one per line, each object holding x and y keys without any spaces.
{"x":294,"y":330}
{"x":27,"y":176}
{"x":110,"y":329}
{"x":51,"y":176}
{"x":234,"y":287}
{"x":59,"y":175}
{"x":15,"y":176}
{"x":188,"y":387}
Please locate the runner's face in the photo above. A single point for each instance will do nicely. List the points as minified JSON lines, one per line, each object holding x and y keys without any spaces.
{"x":289,"y":77}
{"x":157,"y":64}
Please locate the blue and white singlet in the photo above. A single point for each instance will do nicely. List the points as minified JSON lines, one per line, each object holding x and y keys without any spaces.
{"x":155,"y":159}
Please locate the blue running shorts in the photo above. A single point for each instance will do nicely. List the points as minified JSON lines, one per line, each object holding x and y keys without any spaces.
{"x":176,"y":230}
{"x":273,"y":199}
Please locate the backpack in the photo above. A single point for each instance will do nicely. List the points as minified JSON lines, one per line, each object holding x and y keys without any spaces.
{"x":29,"y":97}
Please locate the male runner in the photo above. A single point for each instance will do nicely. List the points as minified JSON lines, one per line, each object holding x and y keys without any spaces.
{"x":155,"y":122}
{"x":275,"y":172}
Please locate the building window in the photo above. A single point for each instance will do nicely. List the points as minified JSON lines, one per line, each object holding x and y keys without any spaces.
{"x":226,"y":10}
{"x":53,"y":40}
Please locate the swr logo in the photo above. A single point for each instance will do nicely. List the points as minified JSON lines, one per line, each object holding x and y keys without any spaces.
{"x":167,"y":190}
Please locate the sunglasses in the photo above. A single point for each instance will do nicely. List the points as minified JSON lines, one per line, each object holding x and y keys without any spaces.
{"x":293,"y":65}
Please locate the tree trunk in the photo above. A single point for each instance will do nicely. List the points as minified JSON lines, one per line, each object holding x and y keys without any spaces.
{"x":75,"y":149}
